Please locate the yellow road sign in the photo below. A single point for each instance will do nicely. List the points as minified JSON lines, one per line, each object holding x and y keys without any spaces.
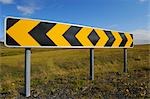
{"x":21,"y":32}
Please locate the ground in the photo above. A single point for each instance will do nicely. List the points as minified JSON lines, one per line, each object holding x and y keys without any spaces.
{"x":64,"y":73}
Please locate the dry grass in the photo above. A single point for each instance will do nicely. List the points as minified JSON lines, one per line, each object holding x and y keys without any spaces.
{"x":50,"y":64}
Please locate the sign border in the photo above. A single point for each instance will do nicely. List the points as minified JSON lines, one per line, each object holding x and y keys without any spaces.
{"x":70,"y":47}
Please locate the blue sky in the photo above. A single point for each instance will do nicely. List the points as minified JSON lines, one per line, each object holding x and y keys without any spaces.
{"x":121,"y":15}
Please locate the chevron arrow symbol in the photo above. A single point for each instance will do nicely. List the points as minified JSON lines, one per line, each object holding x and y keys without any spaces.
{"x":103,"y":37}
{"x":111,"y":38}
{"x":129,"y":40}
{"x":82,"y":36}
{"x":70,"y":34}
{"x":124,"y":40}
{"x":19,"y":32}
{"x":118,"y":39}
{"x":56,"y":34}
{"x":39,"y":33}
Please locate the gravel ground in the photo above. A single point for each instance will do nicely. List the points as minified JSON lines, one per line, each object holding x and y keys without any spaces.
{"x":134,"y":84}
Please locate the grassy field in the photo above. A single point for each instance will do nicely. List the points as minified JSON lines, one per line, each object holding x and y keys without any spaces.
{"x":64,"y":73}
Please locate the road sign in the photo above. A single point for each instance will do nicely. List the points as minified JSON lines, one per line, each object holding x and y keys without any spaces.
{"x":21,"y":32}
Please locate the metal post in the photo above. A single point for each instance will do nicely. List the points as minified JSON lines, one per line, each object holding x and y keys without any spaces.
{"x":91,"y":64}
{"x":27,"y":71}
{"x":125,"y":60}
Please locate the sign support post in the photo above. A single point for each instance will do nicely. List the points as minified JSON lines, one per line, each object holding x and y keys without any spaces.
{"x":27,"y":71}
{"x":125,"y":60}
{"x":91,"y":63}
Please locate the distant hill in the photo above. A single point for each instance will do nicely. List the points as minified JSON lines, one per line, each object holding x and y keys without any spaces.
{"x":1,"y":40}
{"x":2,"y":44}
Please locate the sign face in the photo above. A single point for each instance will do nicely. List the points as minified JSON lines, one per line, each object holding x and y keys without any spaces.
{"x":21,"y":32}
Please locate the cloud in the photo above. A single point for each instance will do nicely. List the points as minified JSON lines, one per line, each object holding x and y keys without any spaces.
{"x":141,"y":36}
{"x":142,"y":0}
{"x":27,"y":9}
{"x":113,"y":26}
{"x":6,"y":1}
{"x":148,"y":15}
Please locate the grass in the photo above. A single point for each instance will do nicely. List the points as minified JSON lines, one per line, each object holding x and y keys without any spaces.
{"x":55,"y":69}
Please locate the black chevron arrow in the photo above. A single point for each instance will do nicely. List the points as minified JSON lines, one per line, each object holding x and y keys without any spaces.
{"x":124,"y":40}
{"x":132,"y":39}
{"x":111,"y":38}
{"x":69,"y":35}
{"x":39,"y":33}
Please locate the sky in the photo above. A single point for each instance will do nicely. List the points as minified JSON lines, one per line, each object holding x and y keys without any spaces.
{"x":121,"y":15}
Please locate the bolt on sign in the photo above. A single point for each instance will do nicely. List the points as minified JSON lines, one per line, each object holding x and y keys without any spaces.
{"x":21,"y":32}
